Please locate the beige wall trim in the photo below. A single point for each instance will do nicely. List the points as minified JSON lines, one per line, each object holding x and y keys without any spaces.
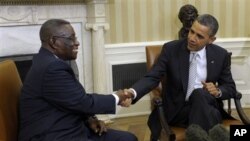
{"x":40,"y":2}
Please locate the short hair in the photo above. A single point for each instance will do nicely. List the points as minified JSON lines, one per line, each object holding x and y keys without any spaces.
{"x":209,"y":21}
{"x":50,"y":27}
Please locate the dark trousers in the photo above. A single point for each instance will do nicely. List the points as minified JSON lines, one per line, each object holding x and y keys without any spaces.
{"x":201,"y":109}
{"x":113,"y":135}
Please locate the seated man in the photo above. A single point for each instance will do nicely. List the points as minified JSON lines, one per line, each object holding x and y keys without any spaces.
{"x":197,"y":74}
{"x":53,"y":104}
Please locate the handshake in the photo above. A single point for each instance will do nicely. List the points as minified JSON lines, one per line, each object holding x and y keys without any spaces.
{"x":125,"y":97}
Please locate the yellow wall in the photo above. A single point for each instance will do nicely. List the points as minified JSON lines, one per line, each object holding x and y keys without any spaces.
{"x":157,"y":20}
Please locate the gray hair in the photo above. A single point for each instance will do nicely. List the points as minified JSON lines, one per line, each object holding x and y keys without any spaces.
{"x":50,"y":27}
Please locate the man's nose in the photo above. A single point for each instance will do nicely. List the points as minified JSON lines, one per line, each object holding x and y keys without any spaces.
{"x":192,"y":37}
{"x":77,"y":43}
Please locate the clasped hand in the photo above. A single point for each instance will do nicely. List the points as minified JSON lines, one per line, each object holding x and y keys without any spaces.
{"x":125,"y":97}
{"x":97,"y":126}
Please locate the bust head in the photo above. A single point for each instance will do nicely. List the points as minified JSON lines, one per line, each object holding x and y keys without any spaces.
{"x":187,"y":14}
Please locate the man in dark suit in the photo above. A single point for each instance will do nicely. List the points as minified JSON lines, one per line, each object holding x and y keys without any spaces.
{"x":190,"y":100}
{"x":53,"y":104}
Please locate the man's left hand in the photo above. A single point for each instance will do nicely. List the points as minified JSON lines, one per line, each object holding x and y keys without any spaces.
{"x":97,"y":126}
{"x":211,"y":88}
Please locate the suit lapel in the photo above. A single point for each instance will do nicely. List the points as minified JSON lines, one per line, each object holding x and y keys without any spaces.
{"x":184,"y":66}
{"x":211,"y":60}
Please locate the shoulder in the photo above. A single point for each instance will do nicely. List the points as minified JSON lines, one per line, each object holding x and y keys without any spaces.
{"x":175,"y":45}
{"x":58,"y":66}
{"x":216,"y":49}
{"x":43,"y":57}
{"x":46,"y":61}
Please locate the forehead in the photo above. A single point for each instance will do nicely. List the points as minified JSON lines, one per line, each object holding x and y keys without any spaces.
{"x":66,"y":29}
{"x":200,"y":29}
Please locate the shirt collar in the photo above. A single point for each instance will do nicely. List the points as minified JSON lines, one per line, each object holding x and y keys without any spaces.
{"x":56,"y":56}
{"x":201,"y":53}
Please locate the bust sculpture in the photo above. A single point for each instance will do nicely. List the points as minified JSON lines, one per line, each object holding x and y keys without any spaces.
{"x":187,"y":14}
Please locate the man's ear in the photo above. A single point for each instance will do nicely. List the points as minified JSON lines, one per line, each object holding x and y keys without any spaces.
{"x":212,"y":39}
{"x":52,"y":42}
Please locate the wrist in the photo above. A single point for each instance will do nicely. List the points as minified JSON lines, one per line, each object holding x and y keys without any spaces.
{"x":133,"y":92}
{"x":219,"y":93}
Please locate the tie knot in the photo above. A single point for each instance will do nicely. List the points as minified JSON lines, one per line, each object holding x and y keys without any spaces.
{"x":193,"y":56}
{"x":194,"y":53}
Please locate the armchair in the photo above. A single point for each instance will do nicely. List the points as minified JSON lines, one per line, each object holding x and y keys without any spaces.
{"x":10,"y":86}
{"x":170,"y":133}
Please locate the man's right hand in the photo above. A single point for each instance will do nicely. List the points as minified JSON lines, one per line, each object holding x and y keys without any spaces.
{"x":125,"y":97}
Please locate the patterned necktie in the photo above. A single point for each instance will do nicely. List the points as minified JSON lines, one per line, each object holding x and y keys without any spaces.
{"x":192,"y":74}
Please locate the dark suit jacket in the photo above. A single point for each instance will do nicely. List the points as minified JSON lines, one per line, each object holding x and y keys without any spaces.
{"x":173,"y":62}
{"x":54,"y":105}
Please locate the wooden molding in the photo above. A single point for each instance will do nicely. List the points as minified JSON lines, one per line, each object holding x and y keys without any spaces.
{"x":40,"y":2}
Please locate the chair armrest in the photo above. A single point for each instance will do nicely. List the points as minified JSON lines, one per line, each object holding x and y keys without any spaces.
{"x":155,"y":94}
{"x":240,"y":110}
{"x":166,"y":128}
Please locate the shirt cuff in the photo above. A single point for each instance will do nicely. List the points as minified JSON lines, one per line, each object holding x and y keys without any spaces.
{"x":133,"y":91}
{"x":116,"y":99}
{"x":220,"y":94}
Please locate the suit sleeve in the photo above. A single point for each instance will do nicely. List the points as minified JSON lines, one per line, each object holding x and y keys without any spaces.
{"x":226,"y":83}
{"x":153,"y":77}
{"x":61,"y":89}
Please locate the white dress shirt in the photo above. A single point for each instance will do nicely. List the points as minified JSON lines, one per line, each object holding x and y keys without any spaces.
{"x":201,"y":59}
{"x":201,"y":71}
